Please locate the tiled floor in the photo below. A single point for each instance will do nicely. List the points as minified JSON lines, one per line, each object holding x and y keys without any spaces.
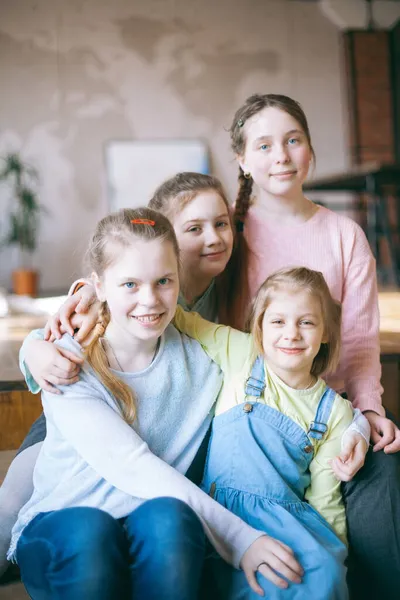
{"x":15,"y":591}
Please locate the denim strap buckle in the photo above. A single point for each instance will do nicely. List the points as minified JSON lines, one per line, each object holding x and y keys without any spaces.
{"x":254,"y":387}
{"x":255,"y":384}
{"x":317,"y":430}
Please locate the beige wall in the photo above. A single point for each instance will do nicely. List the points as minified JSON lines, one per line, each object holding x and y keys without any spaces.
{"x":76,"y":73}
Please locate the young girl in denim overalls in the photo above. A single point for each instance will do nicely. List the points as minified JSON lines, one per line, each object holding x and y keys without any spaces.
{"x":276,"y":429}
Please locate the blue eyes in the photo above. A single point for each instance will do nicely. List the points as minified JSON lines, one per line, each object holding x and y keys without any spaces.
{"x":290,"y":142}
{"x":281,"y":322}
{"x":131,"y":284}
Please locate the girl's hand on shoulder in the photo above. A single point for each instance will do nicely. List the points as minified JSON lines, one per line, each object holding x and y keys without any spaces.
{"x":85,"y":323}
{"x":51,"y":366}
{"x":60,"y":322}
{"x":268,"y":556}
{"x":385,"y":435}
{"x":352,"y":456}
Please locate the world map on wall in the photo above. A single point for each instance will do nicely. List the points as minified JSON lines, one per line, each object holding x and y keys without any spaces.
{"x":76,"y":75}
{"x":70,"y":92}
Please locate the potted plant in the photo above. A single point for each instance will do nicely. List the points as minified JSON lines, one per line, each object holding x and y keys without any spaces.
{"x":24,"y":215}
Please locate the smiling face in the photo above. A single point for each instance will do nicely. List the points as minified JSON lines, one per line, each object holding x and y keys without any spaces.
{"x":141,"y":288}
{"x":277,"y":153}
{"x":292,"y":332}
{"x":204,"y":235}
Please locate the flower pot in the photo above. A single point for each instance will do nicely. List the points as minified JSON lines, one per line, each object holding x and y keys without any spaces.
{"x":25,"y":282}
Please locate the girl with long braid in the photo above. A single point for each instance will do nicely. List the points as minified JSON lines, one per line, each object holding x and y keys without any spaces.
{"x":278,"y":226}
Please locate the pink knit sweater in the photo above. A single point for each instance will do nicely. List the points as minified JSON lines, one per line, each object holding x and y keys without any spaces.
{"x":336,"y":246}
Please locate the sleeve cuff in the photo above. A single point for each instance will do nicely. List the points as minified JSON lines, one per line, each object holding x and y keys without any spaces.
{"x":243,"y":544}
{"x":33,"y":387}
{"x":366,"y":403}
{"x":77,"y":285}
{"x":360,"y":425}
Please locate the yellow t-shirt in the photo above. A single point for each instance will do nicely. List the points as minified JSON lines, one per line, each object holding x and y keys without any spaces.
{"x":235,"y":353}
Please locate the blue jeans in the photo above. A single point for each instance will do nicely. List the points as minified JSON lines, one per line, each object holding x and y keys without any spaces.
{"x":155,"y":552}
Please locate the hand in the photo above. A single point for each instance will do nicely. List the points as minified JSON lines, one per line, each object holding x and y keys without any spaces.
{"x":77,"y":303}
{"x":267,"y":556}
{"x":51,"y":366}
{"x":385,"y":435}
{"x":86,"y":323}
{"x":352,"y":456}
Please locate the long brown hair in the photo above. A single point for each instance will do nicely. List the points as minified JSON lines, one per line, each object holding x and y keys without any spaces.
{"x":174,"y":194}
{"x":113,"y":233}
{"x":237,"y":278}
{"x":313,"y":282}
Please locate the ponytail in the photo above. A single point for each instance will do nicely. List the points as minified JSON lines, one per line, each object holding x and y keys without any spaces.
{"x":97,"y":358}
{"x":114,"y":233}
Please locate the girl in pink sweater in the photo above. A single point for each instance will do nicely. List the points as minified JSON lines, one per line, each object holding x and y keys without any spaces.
{"x":279,"y":227}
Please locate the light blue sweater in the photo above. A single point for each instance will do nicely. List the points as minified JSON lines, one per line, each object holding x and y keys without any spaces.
{"x":92,"y":457}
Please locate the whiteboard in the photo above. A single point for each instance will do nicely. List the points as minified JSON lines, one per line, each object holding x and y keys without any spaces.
{"x":136,"y":168}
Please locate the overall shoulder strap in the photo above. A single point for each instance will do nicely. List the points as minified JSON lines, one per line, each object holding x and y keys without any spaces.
{"x":255,"y":384}
{"x":319,"y":426}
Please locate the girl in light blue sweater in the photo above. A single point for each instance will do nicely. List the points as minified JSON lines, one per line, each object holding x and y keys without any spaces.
{"x":112,"y":515}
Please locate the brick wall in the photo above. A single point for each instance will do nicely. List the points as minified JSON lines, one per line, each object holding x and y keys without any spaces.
{"x":395,"y":52}
{"x":368,"y":66}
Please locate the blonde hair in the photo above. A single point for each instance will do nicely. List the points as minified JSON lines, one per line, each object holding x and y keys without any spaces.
{"x":313,"y":282}
{"x":113,"y":233}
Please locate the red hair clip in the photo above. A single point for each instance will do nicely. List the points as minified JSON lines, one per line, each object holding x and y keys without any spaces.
{"x":143,"y":222}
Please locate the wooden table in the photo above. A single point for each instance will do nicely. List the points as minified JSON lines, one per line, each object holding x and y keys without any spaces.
{"x":389,"y":307}
{"x":18,"y":407}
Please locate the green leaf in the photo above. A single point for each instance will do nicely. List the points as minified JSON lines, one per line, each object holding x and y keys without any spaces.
{"x":25,"y":210}
{"x":28,"y":200}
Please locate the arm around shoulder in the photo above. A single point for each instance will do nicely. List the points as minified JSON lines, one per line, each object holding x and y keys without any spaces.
{"x":226,"y":346}
{"x":46,"y":364}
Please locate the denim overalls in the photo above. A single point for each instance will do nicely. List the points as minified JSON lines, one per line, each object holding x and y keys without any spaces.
{"x":258,"y":467}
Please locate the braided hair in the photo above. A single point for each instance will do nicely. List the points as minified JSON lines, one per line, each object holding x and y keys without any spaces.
{"x":253,"y":105}
{"x":238,"y":284}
